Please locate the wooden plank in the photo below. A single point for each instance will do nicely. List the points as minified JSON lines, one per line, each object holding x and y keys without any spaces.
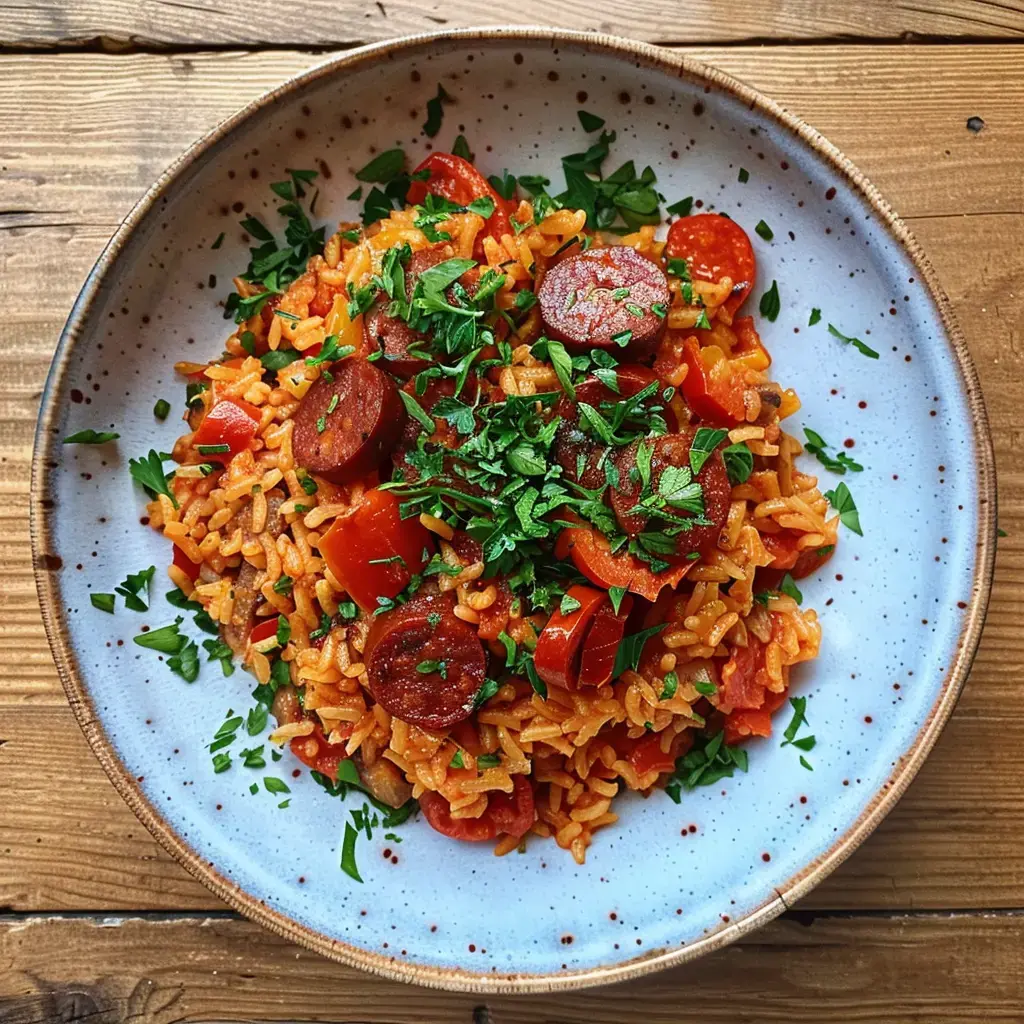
{"x":940,"y":969}
{"x":120,"y":23}
{"x":65,"y":150}
{"x":64,"y":166}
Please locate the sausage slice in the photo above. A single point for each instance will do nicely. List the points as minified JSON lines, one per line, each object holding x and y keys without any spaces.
{"x":590,"y":299}
{"x":673,"y":450}
{"x":392,"y":333}
{"x":345,"y":427}
{"x":573,"y":448}
{"x":425,"y":666}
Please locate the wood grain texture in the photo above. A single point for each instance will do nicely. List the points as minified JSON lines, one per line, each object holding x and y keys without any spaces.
{"x":934,"y":969}
{"x":116,"y":24}
{"x":82,"y":135}
{"x":84,"y":155}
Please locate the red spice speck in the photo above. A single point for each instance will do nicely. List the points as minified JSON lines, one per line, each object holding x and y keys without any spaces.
{"x":849,"y":442}
{"x":803,"y":799}
{"x":868,"y":719}
{"x":472,"y":948}
{"x":766,"y":857}
{"x":830,"y":194}
{"x":862,"y":405}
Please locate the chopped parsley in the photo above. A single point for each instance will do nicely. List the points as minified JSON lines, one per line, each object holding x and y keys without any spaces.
{"x":435,"y":112}
{"x":790,"y":589}
{"x":818,"y":447}
{"x":739,"y":462}
{"x":770,"y":303}
{"x":90,"y":436}
{"x":705,"y":765}
{"x":864,"y":350}
{"x":590,"y":122}
{"x":764,"y":231}
{"x":105,"y":602}
{"x":162,"y":409}
{"x":815,"y":317}
{"x":744,"y":176}
{"x":166,"y":639}
{"x":384,"y":167}
{"x":842,"y":501}
{"x":705,"y":441}
{"x":135,"y":589}
{"x":806,"y":743}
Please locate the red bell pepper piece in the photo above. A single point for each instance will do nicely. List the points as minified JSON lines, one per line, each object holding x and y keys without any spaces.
{"x":373,"y":552}
{"x":230,"y":422}
{"x":713,"y":396}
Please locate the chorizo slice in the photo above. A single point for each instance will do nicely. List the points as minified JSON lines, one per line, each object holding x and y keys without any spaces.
{"x":391,"y":334}
{"x":346,"y":426}
{"x":575,"y":450}
{"x":674,"y":450}
{"x":605,"y":298}
{"x":715,"y":247}
{"x":425,"y":666}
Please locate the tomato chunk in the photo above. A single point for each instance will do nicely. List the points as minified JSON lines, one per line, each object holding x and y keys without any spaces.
{"x":786,"y":556}
{"x":715,"y":247}
{"x":743,"y":676}
{"x":557,"y":657}
{"x":506,"y":814}
{"x":230,"y":422}
{"x":713,"y":392}
{"x":647,"y":755}
{"x":458,"y":181}
{"x":263,"y":630}
{"x":315,"y":752}
{"x":185,"y":564}
{"x":362,"y":545}
{"x":743,"y":724}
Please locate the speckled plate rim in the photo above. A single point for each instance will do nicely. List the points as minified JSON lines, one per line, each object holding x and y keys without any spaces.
{"x":455,"y":979}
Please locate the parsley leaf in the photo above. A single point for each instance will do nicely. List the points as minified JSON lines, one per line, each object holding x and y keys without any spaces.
{"x":90,"y":436}
{"x":859,"y":345}
{"x":842,"y":501}
{"x":764,"y":231}
{"x":186,"y":662}
{"x":631,"y":648}
{"x":384,"y":167}
{"x":149,"y":472}
{"x":814,"y":317}
{"x":105,"y":602}
{"x":770,"y":303}
{"x":590,"y":122}
{"x":435,"y":112}
{"x":790,"y":589}
{"x":166,"y":639}
{"x":705,"y":441}
{"x":739,"y":462}
{"x":135,"y":589}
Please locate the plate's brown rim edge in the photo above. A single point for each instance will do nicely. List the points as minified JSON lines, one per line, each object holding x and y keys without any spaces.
{"x":457,"y":979}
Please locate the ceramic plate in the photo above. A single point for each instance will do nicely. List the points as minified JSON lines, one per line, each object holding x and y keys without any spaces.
{"x":901,"y":606}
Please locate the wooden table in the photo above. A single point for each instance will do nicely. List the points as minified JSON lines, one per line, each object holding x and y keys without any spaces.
{"x":98,"y":924}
